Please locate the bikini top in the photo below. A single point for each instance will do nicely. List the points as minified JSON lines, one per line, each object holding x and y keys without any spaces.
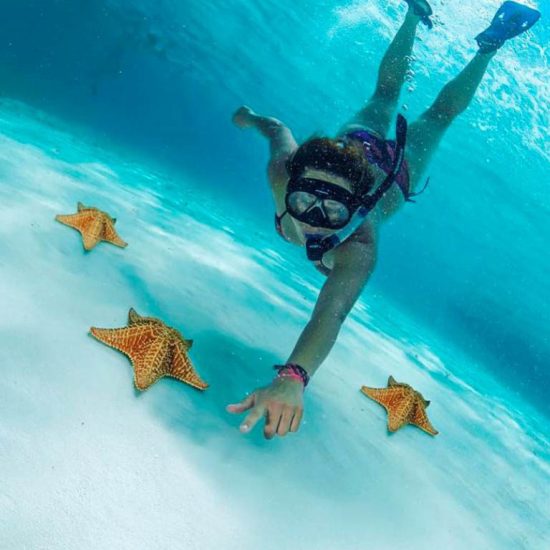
{"x":381,"y":153}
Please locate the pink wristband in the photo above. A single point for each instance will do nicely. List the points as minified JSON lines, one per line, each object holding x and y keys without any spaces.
{"x":290,"y":374}
{"x":293,"y":371}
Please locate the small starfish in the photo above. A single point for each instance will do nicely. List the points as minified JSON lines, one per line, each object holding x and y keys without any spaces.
{"x":403,"y":404}
{"x":154,"y":349}
{"x":94,"y":225}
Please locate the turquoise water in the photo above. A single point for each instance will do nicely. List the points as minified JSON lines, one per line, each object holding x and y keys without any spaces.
{"x":127,"y":107}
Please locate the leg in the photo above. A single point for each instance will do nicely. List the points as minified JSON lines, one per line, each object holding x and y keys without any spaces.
{"x":378,"y":112}
{"x":425,"y":133}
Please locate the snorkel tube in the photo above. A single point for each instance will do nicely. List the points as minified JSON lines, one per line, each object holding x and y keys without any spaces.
{"x":316,"y":247}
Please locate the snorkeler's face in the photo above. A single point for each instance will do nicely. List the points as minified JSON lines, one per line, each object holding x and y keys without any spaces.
{"x":320,"y":201}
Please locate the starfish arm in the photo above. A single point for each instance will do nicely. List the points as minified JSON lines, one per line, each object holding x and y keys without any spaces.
{"x":110,"y":235}
{"x":389,"y":398}
{"x":87,"y":222}
{"x":152,"y":363}
{"x":182,"y":368}
{"x":400,"y":415}
{"x":125,"y":339}
{"x":133,"y":316}
{"x":395,"y":400}
{"x":392,"y":381}
{"x":91,"y":233}
{"x":420,"y":419}
{"x":63,"y":218}
{"x":74,"y":220}
{"x":141,"y":345}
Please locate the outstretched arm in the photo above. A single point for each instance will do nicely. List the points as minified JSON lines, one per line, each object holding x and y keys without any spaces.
{"x":353,"y":265}
{"x":281,"y":402}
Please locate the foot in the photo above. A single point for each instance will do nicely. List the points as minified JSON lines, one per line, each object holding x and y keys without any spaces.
{"x":423,"y":10}
{"x":244,"y":117}
{"x":510,"y":20}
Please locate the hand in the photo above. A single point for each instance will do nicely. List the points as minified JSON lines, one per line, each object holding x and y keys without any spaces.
{"x":243,"y":117}
{"x":281,"y":403}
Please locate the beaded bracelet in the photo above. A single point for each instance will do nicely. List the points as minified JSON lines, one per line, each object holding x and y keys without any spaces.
{"x":294,"y":371}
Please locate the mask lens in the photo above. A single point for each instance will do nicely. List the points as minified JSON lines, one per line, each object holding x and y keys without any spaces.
{"x":336,"y":212}
{"x":300,"y":201}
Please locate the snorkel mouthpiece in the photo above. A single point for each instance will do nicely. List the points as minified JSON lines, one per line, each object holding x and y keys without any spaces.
{"x":315,"y":249}
{"x":317,"y":246}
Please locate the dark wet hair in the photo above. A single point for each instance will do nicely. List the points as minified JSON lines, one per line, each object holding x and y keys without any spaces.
{"x":346,"y":160}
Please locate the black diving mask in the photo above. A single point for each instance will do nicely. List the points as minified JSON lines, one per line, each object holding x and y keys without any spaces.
{"x":320,"y":203}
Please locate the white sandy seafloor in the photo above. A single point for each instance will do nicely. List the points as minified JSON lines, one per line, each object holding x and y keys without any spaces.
{"x":86,"y":462}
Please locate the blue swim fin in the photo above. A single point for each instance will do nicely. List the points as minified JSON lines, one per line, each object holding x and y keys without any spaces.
{"x":510,"y":20}
{"x":422,"y":9}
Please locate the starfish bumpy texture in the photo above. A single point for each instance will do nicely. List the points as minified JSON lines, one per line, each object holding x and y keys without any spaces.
{"x":154,"y":349}
{"x":403,"y":404}
{"x":94,"y":226}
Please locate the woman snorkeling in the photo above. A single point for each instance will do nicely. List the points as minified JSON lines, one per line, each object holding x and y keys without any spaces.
{"x":332,"y":195}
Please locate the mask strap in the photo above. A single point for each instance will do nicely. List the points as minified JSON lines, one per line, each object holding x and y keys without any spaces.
{"x":288,"y":163}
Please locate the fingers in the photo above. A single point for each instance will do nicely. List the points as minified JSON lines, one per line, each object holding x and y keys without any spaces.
{"x":244,"y":405}
{"x":274,"y":412}
{"x":280,"y":419}
{"x":296,"y":420}
{"x":251,"y":420}
{"x":286,"y":419}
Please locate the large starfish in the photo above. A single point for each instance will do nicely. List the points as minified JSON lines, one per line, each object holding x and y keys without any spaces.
{"x":403,"y":404}
{"x":154,"y":349}
{"x":94,"y":226}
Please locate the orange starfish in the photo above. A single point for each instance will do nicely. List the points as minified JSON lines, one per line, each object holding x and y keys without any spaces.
{"x":154,"y":349}
{"x":403,"y":404}
{"x":94,"y":225}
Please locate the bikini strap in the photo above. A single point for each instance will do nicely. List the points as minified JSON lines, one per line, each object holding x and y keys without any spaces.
{"x":409,"y":195}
